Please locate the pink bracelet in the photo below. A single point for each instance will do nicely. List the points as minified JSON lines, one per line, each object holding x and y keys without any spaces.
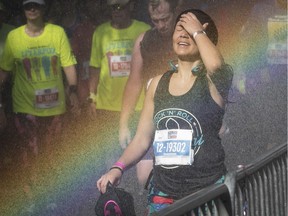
{"x":120,"y":164}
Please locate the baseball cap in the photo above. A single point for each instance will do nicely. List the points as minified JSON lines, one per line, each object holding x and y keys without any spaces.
{"x":113,"y":2}
{"x":40,"y":2}
{"x":115,"y":202}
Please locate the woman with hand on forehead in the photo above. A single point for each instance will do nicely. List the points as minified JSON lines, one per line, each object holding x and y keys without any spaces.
{"x":182,"y":114}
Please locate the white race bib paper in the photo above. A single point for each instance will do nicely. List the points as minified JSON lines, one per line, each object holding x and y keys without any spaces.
{"x":173,"y":147}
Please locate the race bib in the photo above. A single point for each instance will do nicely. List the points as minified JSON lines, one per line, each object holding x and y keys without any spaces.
{"x":173,"y":147}
{"x":46,"y":98}
{"x":277,"y":46}
{"x":120,"y":65}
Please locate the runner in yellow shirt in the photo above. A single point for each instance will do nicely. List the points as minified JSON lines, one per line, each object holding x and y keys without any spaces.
{"x":35,"y":53}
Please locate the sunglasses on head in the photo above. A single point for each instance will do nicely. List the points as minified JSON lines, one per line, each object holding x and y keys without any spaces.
{"x":30,"y":6}
{"x":118,"y":7}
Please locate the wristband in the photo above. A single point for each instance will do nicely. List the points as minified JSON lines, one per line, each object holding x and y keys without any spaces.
{"x":120,"y":164}
{"x":92,"y":98}
{"x":116,"y":167}
{"x":72,"y":89}
{"x":198,"y":32}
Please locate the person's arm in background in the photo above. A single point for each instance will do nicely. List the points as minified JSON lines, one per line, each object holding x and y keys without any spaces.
{"x":71,"y":76}
{"x":94,"y":74}
{"x":131,"y":93}
{"x":3,"y":76}
{"x":94,"y":71}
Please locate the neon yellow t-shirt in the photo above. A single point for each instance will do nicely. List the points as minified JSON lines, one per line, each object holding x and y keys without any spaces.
{"x":36,"y":63}
{"x":112,"y":51}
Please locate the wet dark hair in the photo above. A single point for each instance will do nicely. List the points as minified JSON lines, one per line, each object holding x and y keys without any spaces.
{"x":211,"y":29}
{"x":172,"y":4}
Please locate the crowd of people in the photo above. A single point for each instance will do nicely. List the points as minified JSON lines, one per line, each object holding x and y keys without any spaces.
{"x":149,"y":78}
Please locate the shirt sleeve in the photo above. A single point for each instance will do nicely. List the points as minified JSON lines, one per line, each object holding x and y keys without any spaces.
{"x":66,"y":54}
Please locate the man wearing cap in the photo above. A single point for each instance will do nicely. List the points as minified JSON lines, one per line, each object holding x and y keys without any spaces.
{"x":34,"y":54}
{"x":112,"y":46}
{"x":111,"y":56}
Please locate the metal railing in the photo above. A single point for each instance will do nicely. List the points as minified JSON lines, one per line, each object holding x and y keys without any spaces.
{"x":257,"y":189}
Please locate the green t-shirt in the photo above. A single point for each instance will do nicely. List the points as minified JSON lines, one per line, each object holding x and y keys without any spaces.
{"x":36,"y":63}
{"x":111,"y":51}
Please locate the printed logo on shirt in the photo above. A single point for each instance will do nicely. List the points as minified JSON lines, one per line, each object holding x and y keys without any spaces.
{"x":40,"y":64}
{"x":172,"y":134}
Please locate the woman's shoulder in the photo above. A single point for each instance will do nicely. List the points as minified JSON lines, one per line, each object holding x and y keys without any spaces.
{"x":153,"y":82}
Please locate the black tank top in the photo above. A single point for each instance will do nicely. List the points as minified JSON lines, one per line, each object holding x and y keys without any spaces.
{"x":194,"y":110}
